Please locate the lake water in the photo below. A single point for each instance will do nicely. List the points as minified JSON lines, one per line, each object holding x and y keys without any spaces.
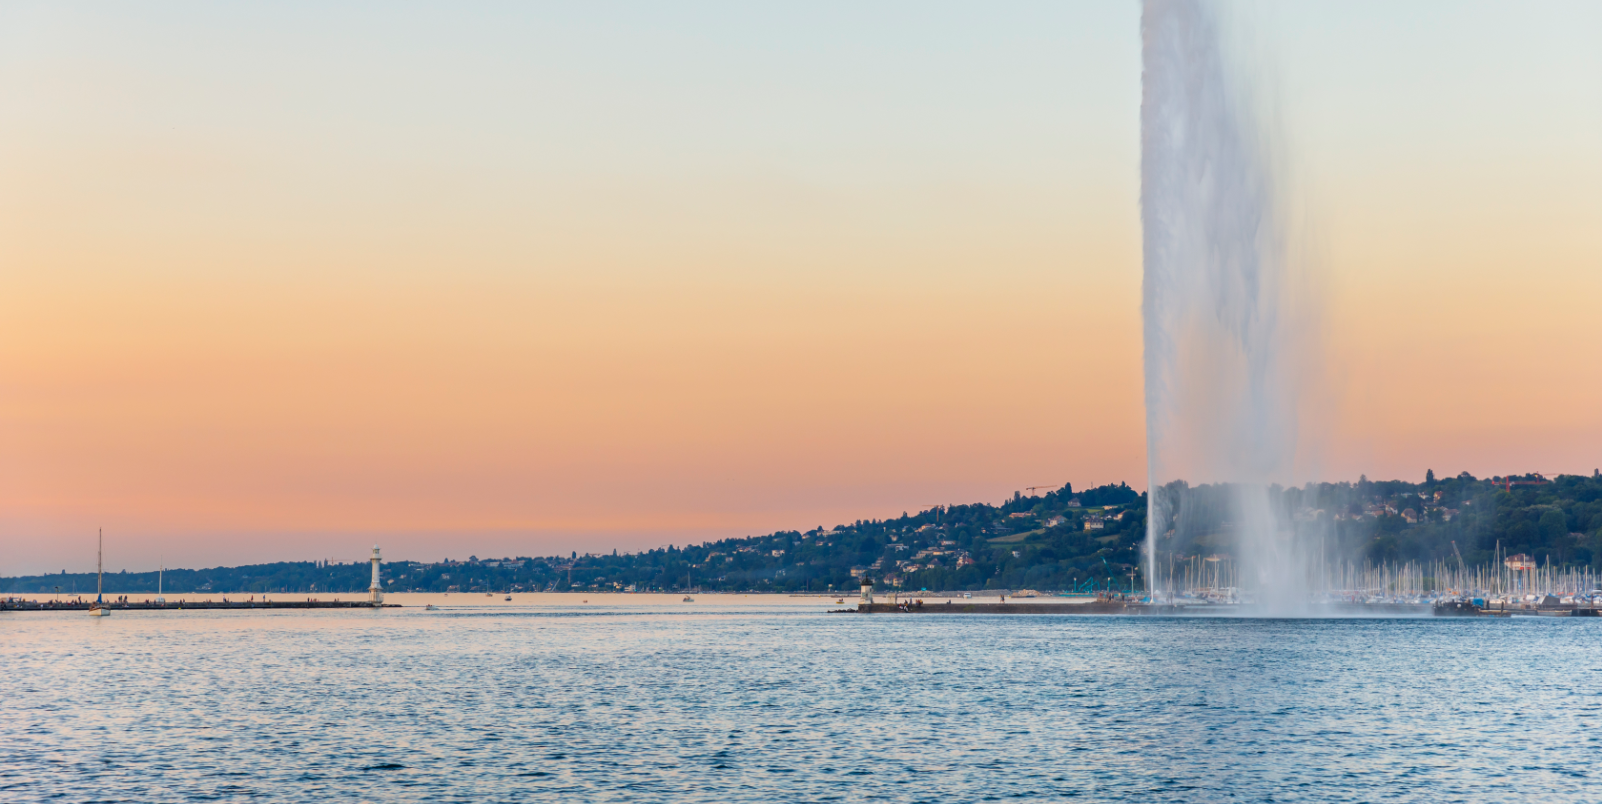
{"x":772,"y":699}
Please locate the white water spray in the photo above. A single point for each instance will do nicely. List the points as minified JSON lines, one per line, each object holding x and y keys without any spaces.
{"x":1220,"y":357}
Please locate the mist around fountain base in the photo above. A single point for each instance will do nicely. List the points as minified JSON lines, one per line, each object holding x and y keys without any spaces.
{"x":1235,"y":544}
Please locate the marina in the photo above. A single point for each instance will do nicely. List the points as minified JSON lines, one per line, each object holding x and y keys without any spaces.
{"x":1231,"y":602}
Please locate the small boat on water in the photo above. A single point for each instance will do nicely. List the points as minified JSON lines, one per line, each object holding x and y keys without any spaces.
{"x":840,"y":600}
{"x":98,"y":608}
{"x":431,"y":607}
{"x":688,"y":599}
{"x":508,"y":598}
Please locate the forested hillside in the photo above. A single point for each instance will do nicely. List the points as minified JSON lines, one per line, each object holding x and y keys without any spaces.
{"x":1057,"y":541}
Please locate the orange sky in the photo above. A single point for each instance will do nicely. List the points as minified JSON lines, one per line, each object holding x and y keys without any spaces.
{"x":276,"y":284}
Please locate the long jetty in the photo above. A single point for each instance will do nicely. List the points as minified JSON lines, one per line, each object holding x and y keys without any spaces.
{"x":1095,"y":607}
{"x":191,"y":605}
{"x":972,"y":607}
{"x":1132,"y":607}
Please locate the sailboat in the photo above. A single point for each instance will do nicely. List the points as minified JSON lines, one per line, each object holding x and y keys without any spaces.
{"x":159,"y":599}
{"x":98,"y":608}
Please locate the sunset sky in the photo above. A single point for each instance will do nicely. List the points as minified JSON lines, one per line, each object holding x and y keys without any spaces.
{"x":280,"y":280}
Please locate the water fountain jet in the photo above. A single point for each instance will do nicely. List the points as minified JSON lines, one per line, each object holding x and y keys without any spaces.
{"x":1221,"y":350}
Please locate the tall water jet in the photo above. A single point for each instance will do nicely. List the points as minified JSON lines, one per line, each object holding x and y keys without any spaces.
{"x":1219,"y":351}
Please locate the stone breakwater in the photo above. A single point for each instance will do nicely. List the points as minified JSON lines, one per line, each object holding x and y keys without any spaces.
{"x":83,"y":605}
{"x":1228,"y":610}
{"x":976,"y":607}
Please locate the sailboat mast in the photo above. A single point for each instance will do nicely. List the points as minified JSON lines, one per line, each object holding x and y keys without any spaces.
{"x":100,"y":560}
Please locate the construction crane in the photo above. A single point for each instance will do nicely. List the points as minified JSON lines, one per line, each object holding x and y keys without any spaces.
{"x":939,"y":508}
{"x":1032,"y":489}
{"x":560,"y":566}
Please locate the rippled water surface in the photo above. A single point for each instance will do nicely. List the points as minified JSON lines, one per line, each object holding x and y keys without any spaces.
{"x":754,"y":700}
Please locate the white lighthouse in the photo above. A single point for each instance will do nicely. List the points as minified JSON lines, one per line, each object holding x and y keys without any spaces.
{"x":375,"y":593}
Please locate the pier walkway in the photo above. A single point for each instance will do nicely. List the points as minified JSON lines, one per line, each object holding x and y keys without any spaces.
{"x":191,"y":605}
{"x":951,"y":606}
{"x":975,"y":607}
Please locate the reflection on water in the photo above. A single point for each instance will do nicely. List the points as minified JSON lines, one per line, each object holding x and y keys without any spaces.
{"x":632,"y":698}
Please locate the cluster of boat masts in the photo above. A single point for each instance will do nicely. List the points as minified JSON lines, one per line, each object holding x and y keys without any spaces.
{"x":1481,"y":596}
{"x":1232,"y":596}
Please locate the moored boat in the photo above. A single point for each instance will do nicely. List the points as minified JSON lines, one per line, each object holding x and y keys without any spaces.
{"x":98,"y":608}
{"x":1455,"y":608}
